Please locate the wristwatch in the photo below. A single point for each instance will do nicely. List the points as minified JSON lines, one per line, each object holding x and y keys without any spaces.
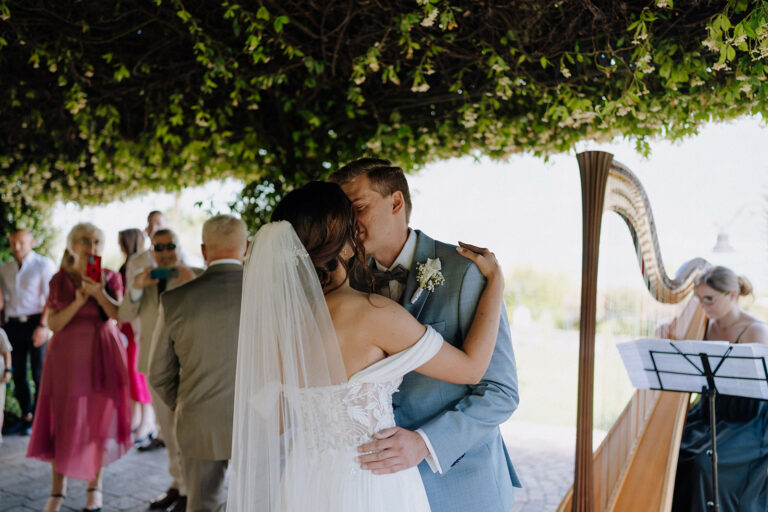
{"x":8,"y":370}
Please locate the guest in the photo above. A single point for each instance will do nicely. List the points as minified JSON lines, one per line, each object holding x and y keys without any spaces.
{"x":193,"y":360}
{"x":742,"y":423}
{"x":83,"y":419}
{"x":143,"y":259}
{"x":24,"y":283}
{"x":142,"y":302}
{"x":5,"y":376}
{"x":143,"y":417}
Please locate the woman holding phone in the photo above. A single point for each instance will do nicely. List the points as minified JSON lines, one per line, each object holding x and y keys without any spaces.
{"x":83,"y":417}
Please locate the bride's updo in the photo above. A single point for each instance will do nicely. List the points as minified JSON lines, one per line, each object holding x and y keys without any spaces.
{"x":322,"y":216}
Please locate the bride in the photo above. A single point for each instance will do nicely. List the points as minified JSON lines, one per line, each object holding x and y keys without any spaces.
{"x":318,"y":363}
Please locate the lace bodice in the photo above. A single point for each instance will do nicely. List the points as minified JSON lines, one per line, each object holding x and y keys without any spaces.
{"x":349,"y":414}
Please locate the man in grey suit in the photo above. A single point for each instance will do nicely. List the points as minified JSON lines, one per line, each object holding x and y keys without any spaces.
{"x":142,"y":301}
{"x":193,"y":362}
{"x":450,"y":431}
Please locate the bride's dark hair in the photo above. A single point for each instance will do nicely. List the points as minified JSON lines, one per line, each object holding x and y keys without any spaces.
{"x":323,"y":218}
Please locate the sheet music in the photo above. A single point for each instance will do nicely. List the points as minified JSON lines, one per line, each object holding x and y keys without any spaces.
{"x":675,"y":365}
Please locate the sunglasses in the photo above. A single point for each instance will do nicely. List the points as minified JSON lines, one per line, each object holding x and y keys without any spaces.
{"x":162,"y":247}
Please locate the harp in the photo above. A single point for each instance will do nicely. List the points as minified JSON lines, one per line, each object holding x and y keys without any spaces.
{"x":634,"y":467}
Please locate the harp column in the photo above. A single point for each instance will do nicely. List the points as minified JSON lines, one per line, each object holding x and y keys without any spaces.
{"x":594,"y":167}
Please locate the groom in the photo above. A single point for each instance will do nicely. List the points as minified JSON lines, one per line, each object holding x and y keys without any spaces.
{"x":450,"y":431}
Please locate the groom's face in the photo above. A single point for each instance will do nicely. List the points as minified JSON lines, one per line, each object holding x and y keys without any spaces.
{"x":377,"y":217}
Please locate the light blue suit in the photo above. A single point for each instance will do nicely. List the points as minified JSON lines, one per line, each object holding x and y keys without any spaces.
{"x":462,"y":422}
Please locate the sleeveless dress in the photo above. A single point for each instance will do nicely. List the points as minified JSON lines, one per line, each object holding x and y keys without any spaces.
{"x":82,"y":421}
{"x":742,"y":451}
{"x":351,"y":413}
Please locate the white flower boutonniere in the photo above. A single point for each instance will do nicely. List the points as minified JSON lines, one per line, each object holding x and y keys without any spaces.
{"x":428,"y":275}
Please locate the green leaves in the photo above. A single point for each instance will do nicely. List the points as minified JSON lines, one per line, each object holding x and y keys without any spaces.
{"x":119,"y":100}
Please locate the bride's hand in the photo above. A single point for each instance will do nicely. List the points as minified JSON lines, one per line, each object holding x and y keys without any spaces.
{"x":484,"y":259}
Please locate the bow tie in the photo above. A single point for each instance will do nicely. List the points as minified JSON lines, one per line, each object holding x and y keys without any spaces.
{"x":383,"y":277}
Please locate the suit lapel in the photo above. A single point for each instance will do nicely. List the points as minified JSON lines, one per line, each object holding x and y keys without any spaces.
{"x":425,"y":248}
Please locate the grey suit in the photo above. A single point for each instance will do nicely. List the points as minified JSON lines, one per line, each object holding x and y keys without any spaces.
{"x":145,"y":310}
{"x":461,"y":422}
{"x":193,"y":369}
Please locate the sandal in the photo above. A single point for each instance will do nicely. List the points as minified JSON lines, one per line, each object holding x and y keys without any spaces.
{"x":92,"y":509}
{"x":51,"y":500}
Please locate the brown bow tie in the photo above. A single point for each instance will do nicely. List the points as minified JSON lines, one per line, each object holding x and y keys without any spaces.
{"x":383,"y":277}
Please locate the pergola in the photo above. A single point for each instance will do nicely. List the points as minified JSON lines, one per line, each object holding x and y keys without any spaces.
{"x":107,"y":99}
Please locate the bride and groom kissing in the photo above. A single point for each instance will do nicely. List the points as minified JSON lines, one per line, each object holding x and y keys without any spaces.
{"x":374,"y":363}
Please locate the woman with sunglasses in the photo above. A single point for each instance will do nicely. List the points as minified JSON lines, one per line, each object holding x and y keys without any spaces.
{"x":742,"y":423}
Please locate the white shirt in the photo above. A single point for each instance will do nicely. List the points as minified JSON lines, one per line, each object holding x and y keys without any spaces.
{"x":25,"y":289}
{"x":395,"y":292}
{"x":405,"y":259}
{"x":225,"y":261}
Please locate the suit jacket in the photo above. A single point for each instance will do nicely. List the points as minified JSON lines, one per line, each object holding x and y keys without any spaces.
{"x":144,"y":310}
{"x":193,"y":362}
{"x":461,"y":422}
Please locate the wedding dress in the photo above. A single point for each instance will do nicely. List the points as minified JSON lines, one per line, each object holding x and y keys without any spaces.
{"x":298,"y":420}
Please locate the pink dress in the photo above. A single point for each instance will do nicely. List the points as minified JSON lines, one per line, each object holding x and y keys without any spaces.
{"x":83,"y":418}
{"x":138,"y":382}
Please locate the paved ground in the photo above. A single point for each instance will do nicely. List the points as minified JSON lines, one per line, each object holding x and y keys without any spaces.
{"x":542,"y":454}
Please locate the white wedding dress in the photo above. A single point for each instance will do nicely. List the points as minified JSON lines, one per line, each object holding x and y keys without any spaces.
{"x":298,"y":419}
{"x":350,"y":414}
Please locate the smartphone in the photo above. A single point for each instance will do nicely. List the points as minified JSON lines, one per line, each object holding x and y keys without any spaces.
{"x":164,"y":273}
{"x":93,"y":268}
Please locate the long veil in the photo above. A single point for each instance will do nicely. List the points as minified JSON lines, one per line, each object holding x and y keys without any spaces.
{"x":286,"y":342}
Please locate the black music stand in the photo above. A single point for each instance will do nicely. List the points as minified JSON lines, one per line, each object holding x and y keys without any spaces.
{"x":668,"y":365}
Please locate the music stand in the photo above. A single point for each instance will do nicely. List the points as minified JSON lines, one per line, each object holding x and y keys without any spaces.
{"x":705,"y":367}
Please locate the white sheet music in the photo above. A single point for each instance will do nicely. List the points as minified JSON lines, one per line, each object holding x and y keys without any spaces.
{"x":675,"y":365}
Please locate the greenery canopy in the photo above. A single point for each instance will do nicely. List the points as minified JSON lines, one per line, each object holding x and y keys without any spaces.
{"x":107,"y":98}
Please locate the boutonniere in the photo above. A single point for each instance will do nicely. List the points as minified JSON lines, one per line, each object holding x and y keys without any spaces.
{"x":428,"y":275}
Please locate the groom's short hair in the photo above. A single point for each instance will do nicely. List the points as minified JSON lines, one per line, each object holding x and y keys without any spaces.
{"x":385,"y":178}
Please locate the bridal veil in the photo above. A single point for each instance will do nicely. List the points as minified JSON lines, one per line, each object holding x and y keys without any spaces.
{"x":286,"y":343}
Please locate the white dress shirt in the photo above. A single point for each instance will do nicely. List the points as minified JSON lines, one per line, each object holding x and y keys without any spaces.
{"x":395,"y":291}
{"x":405,"y":259}
{"x":25,"y":289}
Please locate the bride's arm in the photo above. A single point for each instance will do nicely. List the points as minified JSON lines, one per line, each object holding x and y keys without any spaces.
{"x":398,"y":330}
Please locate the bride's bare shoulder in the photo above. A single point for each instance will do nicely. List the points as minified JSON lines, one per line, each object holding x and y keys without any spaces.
{"x":361,"y":305}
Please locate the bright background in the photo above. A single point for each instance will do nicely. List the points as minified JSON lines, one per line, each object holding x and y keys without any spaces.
{"x":528,"y":211}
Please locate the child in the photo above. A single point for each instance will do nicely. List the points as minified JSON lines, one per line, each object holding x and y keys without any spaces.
{"x":5,"y":378}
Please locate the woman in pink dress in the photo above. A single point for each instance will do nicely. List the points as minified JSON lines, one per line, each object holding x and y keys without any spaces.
{"x":143,"y":417}
{"x":83,"y":417}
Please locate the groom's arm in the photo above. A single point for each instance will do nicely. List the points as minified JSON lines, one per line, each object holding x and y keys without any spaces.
{"x":450,"y":434}
{"x":487,"y":404}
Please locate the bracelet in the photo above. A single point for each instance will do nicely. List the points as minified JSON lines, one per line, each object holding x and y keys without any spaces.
{"x":45,"y":326}
{"x":8,"y":370}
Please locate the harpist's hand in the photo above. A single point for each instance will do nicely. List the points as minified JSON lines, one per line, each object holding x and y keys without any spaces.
{"x":395,"y":449}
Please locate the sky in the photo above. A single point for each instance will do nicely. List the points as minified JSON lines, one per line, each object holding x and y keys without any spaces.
{"x":528,"y":210}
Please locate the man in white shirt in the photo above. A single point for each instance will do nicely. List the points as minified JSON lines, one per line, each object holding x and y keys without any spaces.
{"x":24,"y":282}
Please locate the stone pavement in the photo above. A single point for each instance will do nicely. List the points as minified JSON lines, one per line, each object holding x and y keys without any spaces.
{"x":542,"y":454}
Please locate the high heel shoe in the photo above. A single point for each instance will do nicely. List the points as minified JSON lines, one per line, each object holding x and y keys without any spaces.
{"x":92,"y":509}
{"x":49,"y":505}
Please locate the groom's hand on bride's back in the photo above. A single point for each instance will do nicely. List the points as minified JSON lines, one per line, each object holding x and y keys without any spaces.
{"x":394,"y":449}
